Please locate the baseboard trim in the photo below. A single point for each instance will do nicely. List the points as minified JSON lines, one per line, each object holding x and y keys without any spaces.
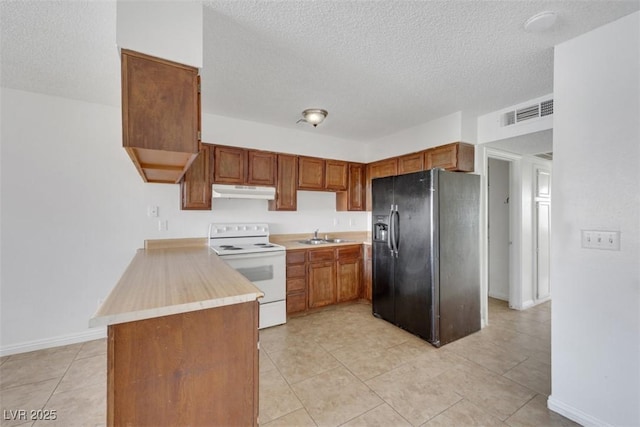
{"x":24,"y":347}
{"x":499,"y":296}
{"x":574,"y":414}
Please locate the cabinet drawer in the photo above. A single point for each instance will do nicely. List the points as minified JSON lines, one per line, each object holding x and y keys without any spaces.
{"x":321,"y":255}
{"x":296,"y":302}
{"x":349,"y":252}
{"x":296,"y":284}
{"x":295,"y":271}
{"x":295,"y":257}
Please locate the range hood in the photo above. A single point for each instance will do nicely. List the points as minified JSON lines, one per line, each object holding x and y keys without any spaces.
{"x":224,"y":191}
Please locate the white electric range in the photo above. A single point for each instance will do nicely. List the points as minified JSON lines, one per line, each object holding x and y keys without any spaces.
{"x":246,"y":248}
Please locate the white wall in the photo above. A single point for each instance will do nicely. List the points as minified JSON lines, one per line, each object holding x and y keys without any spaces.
{"x":74,"y":210}
{"x":431,"y":134}
{"x":166,"y":29}
{"x":596,"y":293}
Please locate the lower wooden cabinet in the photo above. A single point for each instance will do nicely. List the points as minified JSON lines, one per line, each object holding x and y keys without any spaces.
{"x":322,"y":283}
{"x":296,"y":281}
{"x":367,"y":282}
{"x":349,"y":273}
{"x":321,"y":277}
{"x":196,"y":368}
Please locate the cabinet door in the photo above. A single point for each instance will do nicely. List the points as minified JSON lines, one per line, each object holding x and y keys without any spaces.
{"x":229,"y":165}
{"x":195,"y":187}
{"x":321,"y":277}
{"x":354,"y":198}
{"x":457,"y":156}
{"x":349,"y":277}
{"x":261,"y":168}
{"x":310,"y":173}
{"x":368,"y":278}
{"x":286,"y":184}
{"x":335,"y":175}
{"x":410,"y":163}
{"x":160,"y":115}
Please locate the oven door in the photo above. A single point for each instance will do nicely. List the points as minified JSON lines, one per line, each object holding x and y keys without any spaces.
{"x":266,"y":270}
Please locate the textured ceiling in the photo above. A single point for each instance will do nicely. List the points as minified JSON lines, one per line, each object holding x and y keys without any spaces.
{"x":377,"y":66}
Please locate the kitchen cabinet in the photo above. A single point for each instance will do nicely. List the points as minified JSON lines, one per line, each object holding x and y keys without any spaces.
{"x":311,"y":172}
{"x":348,"y":273}
{"x":457,"y":156}
{"x":160,"y":116}
{"x":354,"y":198}
{"x":413,"y":162}
{"x":234,"y":165}
{"x":367,"y":283}
{"x":286,"y":184}
{"x":336,"y":175}
{"x":296,"y":281}
{"x":194,"y":368}
{"x":321,"y":278}
{"x":195,"y":186}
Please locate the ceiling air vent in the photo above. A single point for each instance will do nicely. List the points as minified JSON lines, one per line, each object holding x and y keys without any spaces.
{"x":542,"y":109}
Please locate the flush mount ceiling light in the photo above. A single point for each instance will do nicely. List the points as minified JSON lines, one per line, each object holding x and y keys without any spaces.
{"x":540,"y":22}
{"x":313,"y":116}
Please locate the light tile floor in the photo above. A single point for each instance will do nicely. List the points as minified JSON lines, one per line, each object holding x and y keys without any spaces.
{"x":339,"y":366}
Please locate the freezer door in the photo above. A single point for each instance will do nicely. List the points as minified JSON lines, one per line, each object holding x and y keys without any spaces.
{"x":414,"y":262}
{"x":458,"y":203}
{"x":383,"y":261}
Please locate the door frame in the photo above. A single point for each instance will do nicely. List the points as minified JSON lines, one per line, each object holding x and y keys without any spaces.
{"x":515,"y":219}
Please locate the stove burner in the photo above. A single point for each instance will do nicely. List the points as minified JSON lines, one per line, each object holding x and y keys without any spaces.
{"x":226,"y":246}
{"x":230,"y":248}
{"x":264,"y":245}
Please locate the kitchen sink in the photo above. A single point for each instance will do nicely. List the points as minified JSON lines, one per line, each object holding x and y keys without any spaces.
{"x":321,"y":241}
{"x":313,"y":241}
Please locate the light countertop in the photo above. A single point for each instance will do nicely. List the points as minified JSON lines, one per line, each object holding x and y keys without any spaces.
{"x":161,"y":282}
{"x":291,"y":241}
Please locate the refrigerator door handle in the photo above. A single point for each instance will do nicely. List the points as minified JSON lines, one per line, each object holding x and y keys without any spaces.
{"x":390,"y":233}
{"x":396,"y":226}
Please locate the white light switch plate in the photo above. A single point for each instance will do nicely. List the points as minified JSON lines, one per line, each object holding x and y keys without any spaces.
{"x":601,"y":239}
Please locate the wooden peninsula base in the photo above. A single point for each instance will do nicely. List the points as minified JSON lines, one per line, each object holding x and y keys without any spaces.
{"x":196,"y":368}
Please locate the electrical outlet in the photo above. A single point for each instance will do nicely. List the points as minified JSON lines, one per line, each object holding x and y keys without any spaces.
{"x":601,"y":239}
{"x":152,"y":211}
{"x":336,"y":221}
{"x":163,"y":225}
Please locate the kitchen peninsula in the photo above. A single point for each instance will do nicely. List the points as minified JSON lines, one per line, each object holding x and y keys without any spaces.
{"x":182,"y":345}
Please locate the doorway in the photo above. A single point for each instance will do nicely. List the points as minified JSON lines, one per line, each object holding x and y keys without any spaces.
{"x":499,"y":227}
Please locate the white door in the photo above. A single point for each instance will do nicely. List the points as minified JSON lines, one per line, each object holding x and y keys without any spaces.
{"x":499,"y":236}
{"x":542,"y":226}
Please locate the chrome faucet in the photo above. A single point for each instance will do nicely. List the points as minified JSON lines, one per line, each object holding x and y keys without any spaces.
{"x":315,"y":234}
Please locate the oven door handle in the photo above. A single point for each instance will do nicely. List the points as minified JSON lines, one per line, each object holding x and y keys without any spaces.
{"x":262,"y":255}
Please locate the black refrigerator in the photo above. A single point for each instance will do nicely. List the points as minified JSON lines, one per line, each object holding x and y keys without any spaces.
{"x":426,"y":267}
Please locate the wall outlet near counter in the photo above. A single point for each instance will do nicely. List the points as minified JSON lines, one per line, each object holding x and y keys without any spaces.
{"x":601,"y":239}
{"x":163,"y":225}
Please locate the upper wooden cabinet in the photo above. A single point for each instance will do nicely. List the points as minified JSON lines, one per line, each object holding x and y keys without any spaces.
{"x":229,"y":165}
{"x":234,"y":165}
{"x":311,"y":172}
{"x":411,"y":163}
{"x":261,"y":167}
{"x":354,"y":198}
{"x":382,"y":168}
{"x":286,"y":184}
{"x":457,"y":156}
{"x":160,"y":116}
{"x":336,"y":175}
{"x":195,"y":186}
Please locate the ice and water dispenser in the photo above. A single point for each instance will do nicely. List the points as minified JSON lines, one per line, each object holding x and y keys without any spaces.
{"x":381,"y":228}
